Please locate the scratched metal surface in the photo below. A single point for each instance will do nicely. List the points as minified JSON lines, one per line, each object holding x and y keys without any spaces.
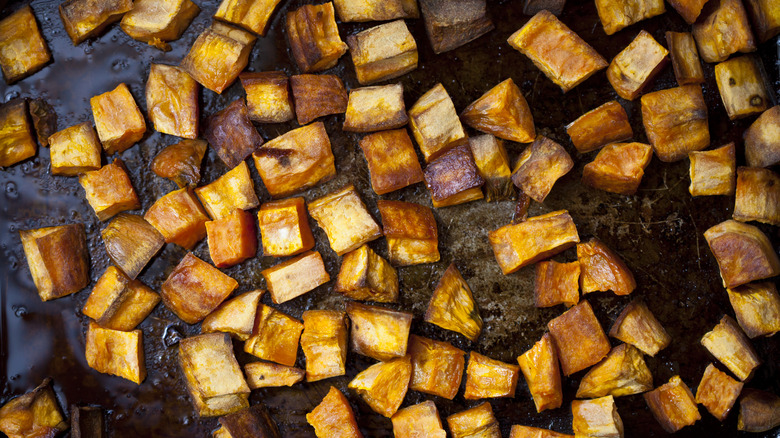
{"x":658,"y":232}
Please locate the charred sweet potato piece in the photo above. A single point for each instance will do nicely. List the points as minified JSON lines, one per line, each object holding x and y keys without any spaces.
{"x":231,"y":191}
{"x":274,"y":337}
{"x":435,"y":124}
{"x":284,"y":227}
{"x":157,"y":22}
{"x":478,"y":421}
{"x":118,"y":120}
{"x":596,"y":418}
{"x":757,"y":307}
{"x":375,"y":108}
{"x":34,"y":414}
{"x":232,"y":134}
{"x":673,"y":405}
{"x":437,"y":366}
{"x":411,"y":232}
{"x":268,"y":96}
{"x":295,"y":277}
{"x":392,"y":161}
{"x":218,"y":55}
{"x":324,"y":343}
{"x":743,"y":252}
{"x":758,"y":196}
{"x":503,"y":112}
{"x":685,"y":57}
{"x":518,"y":431}
{"x":269,"y":375}
{"x":453,"y":178}
{"x":317,"y":96}
{"x":618,"y":14}
{"x":535,"y":239}
{"x":16,"y":136}
{"x":86,"y":422}
{"x":600,"y":126}
{"x":713,"y":172}
{"x":722,"y":30}
{"x":378,"y":332}
{"x":728,"y":343}
{"x":420,"y":420}
{"x":618,"y":168}
{"x":195,"y":288}
{"x":314,"y":38}
{"x":116,"y":352}
{"x":44,"y":120}
{"x":564,"y":57}
{"x":688,"y":9}
{"x":452,"y":306}
{"x":252,"y":15}
{"x":453,"y":24}
{"x":603,"y":270}
{"x":622,"y":372}
{"x":579,"y":339}
{"x":172,"y":101}
{"x":637,"y":326}
{"x":675,"y":121}
{"x":375,"y":10}
{"x":557,"y":283}
{"x":58,"y":259}
{"x":296,"y":160}
{"x":383,"y":52}
{"x":179,"y":217}
{"x":333,"y":417}
{"x":717,"y":392}
{"x":489,"y":378}
{"x":232,"y":239}
{"x":366,"y":276}
{"x":742,"y":86}
{"x":765,"y":15}
{"x":345,"y":220}
{"x":759,"y":411}
{"x":635,"y":67}
{"x":23,"y":51}
{"x":180,"y":162}
{"x":493,"y":164}
{"x":252,"y":422}
{"x":383,"y":385}
{"x":119,"y":303}
{"x":762,"y":139}
{"x":539,"y":166}
{"x":75,"y":150}
{"x":540,"y":368}
{"x":109,"y":190}
{"x":84,"y":19}
{"x":235,"y":316}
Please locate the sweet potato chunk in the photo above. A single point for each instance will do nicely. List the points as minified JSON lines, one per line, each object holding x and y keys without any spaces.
{"x":34,"y":414}
{"x":673,"y":405}
{"x":540,"y":368}
{"x":452,"y":306}
{"x":717,"y":392}
{"x":713,"y":172}
{"x":195,"y":288}
{"x":383,"y":385}
{"x":119,"y":303}
{"x":284,"y":227}
{"x":116,"y":352}
{"x":685,"y":58}
{"x":269,"y":375}
{"x":675,"y":121}
{"x":600,"y":126}
{"x":109,"y":190}
{"x":219,"y":54}
{"x":44,"y":120}
{"x":383,"y":52}
{"x":728,"y":343}
{"x":453,"y":24}
{"x":86,"y":422}
{"x":539,"y":166}
{"x":622,"y":372}
{"x":268,"y":96}
{"x":759,"y":411}
{"x":75,"y":150}
{"x":58,"y":259}
{"x":688,"y":9}
{"x":232,"y":239}
{"x":762,"y":139}
{"x":579,"y":338}
{"x":253,"y":422}
{"x":392,"y":161}
{"x":619,"y":14}
{"x":172,"y":101}
{"x":156,"y":22}
{"x":489,"y":378}
{"x":503,"y":112}
{"x":765,"y":15}
{"x":333,"y":417}
{"x":274,"y":337}
{"x":84,"y":19}
{"x":365,"y":276}
{"x":742,"y":86}
{"x":324,"y":343}
{"x":743,"y":252}
{"x":435,"y":124}
{"x":618,"y":168}
{"x":757,"y":307}
{"x":235,"y":316}
{"x":252,"y":15}
{"x":317,"y":96}
{"x":722,"y":30}
{"x":345,"y":220}
{"x":180,"y":162}
{"x":295,"y":277}
{"x":557,"y":283}
{"x":179,"y":217}
{"x":23,"y":51}
{"x":377,"y":332}
{"x":437,"y":366}
{"x":518,"y":431}
{"x":418,"y":421}
{"x":375,"y":108}
{"x":637,"y":326}
{"x":453,"y":178}
{"x":478,"y":421}
{"x":16,"y":136}
{"x":314,"y":38}
{"x":603,"y":270}
{"x":493,"y":164}
{"x":118,"y":120}
{"x":596,"y":418}
{"x":232,"y":134}
{"x":635,"y":67}
{"x":411,"y":233}
{"x":375,"y":10}
{"x":233,"y":190}
{"x":758,"y":196}
{"x":564,"y":57}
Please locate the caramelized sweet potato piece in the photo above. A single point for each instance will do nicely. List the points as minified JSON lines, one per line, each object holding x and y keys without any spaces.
{"x":488,"y":378}
{"x":685,"y":57}
{"x":762,"y":139}
{"x":235,"y":316}
{"x":411,"y":233}
{"x":317,"y":96}
{"x":722,"y":30}
{"x":232,"y":239}
{"x":252,"y":15}
{"x":435,"y":124}
{"x":757,"y":307}
{"x":713,"y":172}
{"x":84,"y":19}
{"x":600,"y":126}
{"x":452,"y":306}
{"x":493,"y":164}
{"x":759,"y":411}
{"x":375,"y":10}
{"x":418,"y":421}
{"x":232,"y":134}
{"x":116,"y":352}
{"x":717,"y":392}
{"x":758,"y":196}
{"x":596,"y":418}
{"x":579,"y":339}
{"x":58,"y":259}
{"x":268,"y":96}
{"x":269,"y":375}
{"x":44,"y":120}
{"x":333,"y":417}
{"x":16,"y":137}
{"x":284,"y":227}
{"x":86,"y":422}
{"x":172,"y":101}
{"x":557,"y":283}
{"x":119,"y":303}
{"x":156,"y":22}
{"x":619,"y":14}
{"x":518,"y":431}
{"x":635,"y":67}
{"x":453,"y":178}
{"x":118,"y":120}
{"x":324,"y":343}
{"x":618,"y":168}
{"x":437,"y":366}
{"x":603,"y":270}
{"x":477,"y":422}
{"x":134,"y":309}
{"x":231,"y":191}
{"x":75,"y":150}
{"x":195,"y":288}
{"x":673,"y":405}
{"x":728,"y":343}
{"x":274,"y":337}
{"x":180,"y":162}
{"x":109,"y":190}
{"x":503,"y":112}
{"x":34,"y":414}
{"x":540,"y":368}
{"x":383,"y":385}
{"x":743,"y":252}
{"x":365,"y":276}
{"x":688,"y":9}
{"x":637,"y":326}
{"x":675,"y":121}
{"x":179,"y":217}
{"x":375,"y":108}
{"x":252,"y":422}
{"x":383,"y":52}
{"x":743,"y":87}
{"x":23,"y":51}
{"x":295,"y":277}
{"x":539,"y":166}
{"x":345,"y":220}
{"x":765,"y":15}
{"x":219,"y":54}
{"x":378,"y":332}
{"x":453,"y":24}
{"x":314,"y":38}
{"x":622,"y":372}
{"x":392,"y":161}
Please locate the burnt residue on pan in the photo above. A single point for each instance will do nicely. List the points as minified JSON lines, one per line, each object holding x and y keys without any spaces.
{"x":658,"y":232}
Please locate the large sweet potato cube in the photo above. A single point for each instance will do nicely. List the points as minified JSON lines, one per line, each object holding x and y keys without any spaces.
{"x":172,"y":101}
{"x":383,"y":52}
{"x":722,"y":30}
{"x":743,"y":252}
{"x":688,"y":9}
{"x":557,"y":283}
{"x":268,"y":96}
{"x":284,"y":227}
{"x":503,"y":112}
{"x":757,"y":307}
{"x":118,"y":120}
{"x":345,"y":220}
{"x":603,"y":270}
{"x":84,"y":19}
{"x":218,"y":55}
{"x":685,"y":58}
{"x":728,"y":343}
{"x":195,"y":288}
{"x":411,"y":233}
{"x":274,"y":337}
{"x":564,"y":57}
{"x":324,"y":343}
{"x":235,"y":316}
{"x":673,"y":405}
{"x":254,"y":421}
{"x":34,"y":414}
{"x":622,"y":372}
{"x":232,"y":134}
{"x":179,"y":217}
{"x":16,"y":133}
{"x":713,"y":172}
{"x":375,"y":10}
{"x":118,"y":302}
{"x":618,"y":14}
{"x":600,"y":126}
{"x":635,"y":67}
{"x":180,"y":162}
{"x":540,"y":368}
{"x":252,"y":15}
{"x":317,"y":96}
{"x":718,"y":392}
{"x":383,"y":385}
{"x":23,"y":51}
{"x":762,"y":139}
{"x":366,"y":276}
{"x":618,"y":168}
{"x":378,"y":332}
{"x":75,"y":150}
{"x":758,"y":196}
{"x":519,"y":431}
{"x":314,"y":38}
{"x":58,"y":259}
{"x":675,"y":121}
{"x":156,"y":22}
{"x":637,"y":326}
{"x":489,"y":378}
{"x":333,"y":417}
{"x":596,"y":418}
{"x":270,"y":375}
{"x":743,"y":86}
{"x":420,"y":420}
{"x":233,"y":190}
{"x":116,"y":352}
{"x":539,"y":166}
{"x":759,"y":411}
{"x":375,"y":108}
{"x":452,"y":306}
{"x":579,"y":338}
{"x":453,"y":24}
{"x":765,"y":16}
{"x":392,"y":161}
{"x":453,"y":178}
{"x":295,"y":277}
{"x":478,"y":421}
{"x":437,"y":366}
{"x":232,"y":239}
{"x":109,"y":190}
{"x":493,"y":164}
{"x":435,"y":123}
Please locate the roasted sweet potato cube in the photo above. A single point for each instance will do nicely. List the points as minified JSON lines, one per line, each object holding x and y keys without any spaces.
{"x":637,"y":326}
{"x":564,"y":57}
{"x":108,"y":298}
{"x":156,"y":22}
{"x":296,"y":160}
{"x":109,"y":190}
{"x":673,"y":405}
{"x":392,"y":161}
{"x":253,"y":422}
{"x":284,"y":227}
{"x":503,"y":112}
{"x":269,"y":375}
{"x":743,"y":87}
{"x":579,"y":339}
{"x":268,"y":96}
{"x":688,"y":9}
{"x":722,"y":30}
{"x":366,"y":276}
{"x":596,"y":418}
{"x":219,"y":54}
{"x":675,"y":121}
{"x":118,"y":120}
{"x":757,"y":307}
{"x":317,"y":96}
{"x":635,"y":67}
{"x":453,"y":24}
{"x":759,"y":411}
{"x":345,"y":219}
{"x":452,"y":306}
{"x":233,"y":190}
{"x":16,"y":137}
{"x":179,"y":217}
{"x":618,"y":168}
{"x":75,"y":150}
{"x":557,"y":283}
{"x":435,"y":124}
{"x":600,"y":126}
{"x":375,"y":109}
{"x":603,"y":270}
{"x":539,"y":166}
{"x":713,"y":172}
{"x":540,"y":368}
{"x":86,"y":422}
{"x":535,"y":239}
{"x":420,"y":420}
{"x":728,"y":343}
{"x":44,"y":120}
{"x":622,"y":372}
{"x":518,"y":431}
{"x":275,"y":336}
{"x":493,"y":164}
{"x":411,"y":233}
{"x":478,"y":421}
{"x":235,"y":316}
{"x":213,"y":376}
{"x":717,"y":392}
{"x":232,"y":239}
{"x":324,"y":343}
{"x":762,"y":139}
{"x":618,"y":14}
{"x":765,"y":15}
{"x":58,"y":259}
{"x":172,"y":101}
{"x":383,"y":52}
{"x":34,"y":414}
{"x":314,"y":38}
{"x":758,"y":196}
{"x":375,"y":10}
{"x":489,"y":378}
{"x":333,"y":417}
{"x":195,"y":288}
{"x":685,"y":57}
{"x":137,"y":303}
{"x":437,"y":366}
{"x":232,"y":134}
{"x":378,"y":332}
{"x":743,"y":252}
{"x":116,"y":352}
{"x":383,"y":385}
{"x":180,"y":162}
{"x":295,"y":277}
{"x":23,"y":51}
{"x":84,"y":19}
{"x":252,"y":15}
{"x":453,"y":178}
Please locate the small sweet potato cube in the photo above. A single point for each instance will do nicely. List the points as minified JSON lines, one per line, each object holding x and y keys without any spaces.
{"x":117,"y":301}
{"x":232,"y":239}
{"x":762,"y":139}
{"x":375,"y":108}
{"x":75,"y":150}
{"x":180,"y":162}
{"x":722,"y":30}
{"x":675,"y":121}
{"x":437,"y":366}
{"x":375,"y":10}
{"x":156,"y":22}
{"x":757,"y":307}
{"x":284,"y":227}
{"x":519,"y":431}
{"x":274,"y":337}
{"x":268,"y":96}
{"x":345,"y":220}
{"x":453,"y":178}
{"x":252,"y":422}
{"x":44,"y":120}
{"x":718,"y":392}
{"x":618,"y":168}
{"x":235,"y":316}
{"x":86,"y":422}
{"x":233,"y":190}
{"x":116,"y":352}
{"x":324,"y":343}
{"x":453,"y":24}
{"x":435,"y":124}
{"x":632,"y":70}
{"x":383,"y":385}
{"x":478,"y":421}
{"x":411,"y":233}
{"x":742,"y":86}
{"x":172,"y":101}
{"x":58,"y":259}
{"x":218,"y":55}
{"x":252,"y":15}
{"x":713,"y":172}
{"x":540,"y":368}
{"x":23,"y":51}
{"x":34,"y":414}
{"x":109,"y":190}
{"x":317,"y":96}
{"x":535,"y":239}
{"x":603,"y":270}
{"x":213,"y":376}
{"x":673,"y":405}
{"x":619,"y":14}
{"x":579,"y":339}
{"x":636,"y":325}
{"x":557,"y":283}
{"x":314,"y":38}
{"x":489,"y":378}
{"x":392,"y":161}
{"x":420,"y":420}
{"x":16,"y":133}
{"x":118,"y":120}
{"x":728,"y":343}
{"x":365,"y":276}
{"x":84,"y":19}
{"x":688,"y":9}
{"x":195,"y":288}
{"x":295,"y":277}
{"x":539,"y":166}
{"x":377,"y":332}
{"x":503,"y":112}
{"x":564,"y":57}
{"x":622,"y":372}
{"x":383,"y":52}
{"x":600,"y":126}
{"x":758,"y":196}
{"x":685,"y":58}
{"x":333,"y":417}
{"x":493,"y":164}
{"x":743,"y":252}
{"x":232,"y":134}
{"x":759,"y":411}
{"x":452,"y":306}
{"x":179,"y":217}
{"x":269,"y":375}
{"x":596,"y":418}
{"x":295,"y":160}
{"x":765,"y":15}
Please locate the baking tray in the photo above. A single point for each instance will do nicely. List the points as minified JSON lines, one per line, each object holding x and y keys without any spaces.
{"x":658,"y":232}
